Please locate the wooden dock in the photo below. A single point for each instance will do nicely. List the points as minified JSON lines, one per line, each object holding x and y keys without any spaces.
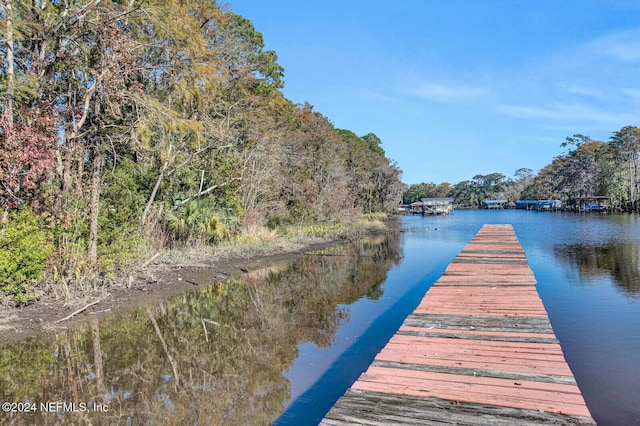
{"x":478,"y":350}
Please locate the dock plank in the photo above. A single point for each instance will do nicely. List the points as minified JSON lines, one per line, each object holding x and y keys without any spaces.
{"x":374,"y":408}
{"x":554,"y":397}
{"x":478,"y":349}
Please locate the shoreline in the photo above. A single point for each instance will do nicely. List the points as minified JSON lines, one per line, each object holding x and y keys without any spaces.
{"x":151,"y":285}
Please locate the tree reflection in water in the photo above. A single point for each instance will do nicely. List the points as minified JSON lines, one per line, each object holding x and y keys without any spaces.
{"x":617,"y":259}
{"x":215,"y":356}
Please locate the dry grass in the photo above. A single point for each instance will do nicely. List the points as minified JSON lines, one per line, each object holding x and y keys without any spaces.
{"x":256,"y":240}
{"x":255,"y":234}
{"x":251,"y":241}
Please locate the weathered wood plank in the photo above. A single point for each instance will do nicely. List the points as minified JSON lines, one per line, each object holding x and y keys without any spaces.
{"x":488,"y":268}
{"x":477,"y":283}
{"x":487,"y":279}
{"x":479,"y":350}
{"x":492,"y":250}
{"x":569,"y":380}
{"x":468,"y":260}
{"x":466,"y":389}
{"x":520,"y":323}
{"x":441,"y":335}
{"x":524,"y":360}
{"x":491,"y":387}
{"x":374,"y":408}
{"x":476,"y":345}
{"x":453,"y":309}
{"x":416,"y":326}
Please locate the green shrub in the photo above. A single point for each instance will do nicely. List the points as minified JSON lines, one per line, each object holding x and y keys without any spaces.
{"x":124,"y":249}
{"x":24,"y":250}
{"x":202,"y":221}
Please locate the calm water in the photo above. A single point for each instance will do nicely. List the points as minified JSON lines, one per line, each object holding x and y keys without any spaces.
{"x":283,"y":345}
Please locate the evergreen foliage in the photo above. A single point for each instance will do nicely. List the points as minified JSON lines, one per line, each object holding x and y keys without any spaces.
{"x":24,"y":250}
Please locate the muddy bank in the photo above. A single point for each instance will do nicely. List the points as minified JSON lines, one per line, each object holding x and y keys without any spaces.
{"x":156,"y":283}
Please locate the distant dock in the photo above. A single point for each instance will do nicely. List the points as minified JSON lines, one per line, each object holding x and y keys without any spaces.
{"x":430,"y":206}
{"x":478,"y":350}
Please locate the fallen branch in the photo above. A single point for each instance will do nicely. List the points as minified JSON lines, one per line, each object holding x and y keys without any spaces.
{"x":206,"y":335}
{"x":145,"y":264}
{"x":72,"y":314}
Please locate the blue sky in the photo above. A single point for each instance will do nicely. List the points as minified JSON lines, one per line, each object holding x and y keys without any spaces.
{"x":457,"y":88}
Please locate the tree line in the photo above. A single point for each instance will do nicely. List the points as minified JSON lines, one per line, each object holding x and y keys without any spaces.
{"x":588,"y":168}
{"x":131,"y":124}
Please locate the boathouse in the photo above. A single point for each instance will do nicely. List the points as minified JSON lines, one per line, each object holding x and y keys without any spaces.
{"x":542,"y":205}
{"x":415,"y":207}
{"x":593,"y":204}
{"x":526,"y":204}
{"x":494,"y":204}
{"x":437,"y":206}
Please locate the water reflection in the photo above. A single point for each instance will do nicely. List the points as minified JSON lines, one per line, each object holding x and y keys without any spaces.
{"x":215,"y":356}
{"x":618,"y":259}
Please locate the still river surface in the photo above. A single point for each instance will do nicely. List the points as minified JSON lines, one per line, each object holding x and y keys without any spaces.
{"x":283,"y":345}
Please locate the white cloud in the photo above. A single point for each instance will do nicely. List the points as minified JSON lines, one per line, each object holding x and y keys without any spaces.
{"x":564,"y":128}
{"x":445,"y":93}
{"x":572,"y":112}
{"x":632,"y":93}
{"x":451,"y":91}
{"x":591,"y":86}
{"x":622,"y":47}
{"x":575,"y":89}
{"x":377,"y":96}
